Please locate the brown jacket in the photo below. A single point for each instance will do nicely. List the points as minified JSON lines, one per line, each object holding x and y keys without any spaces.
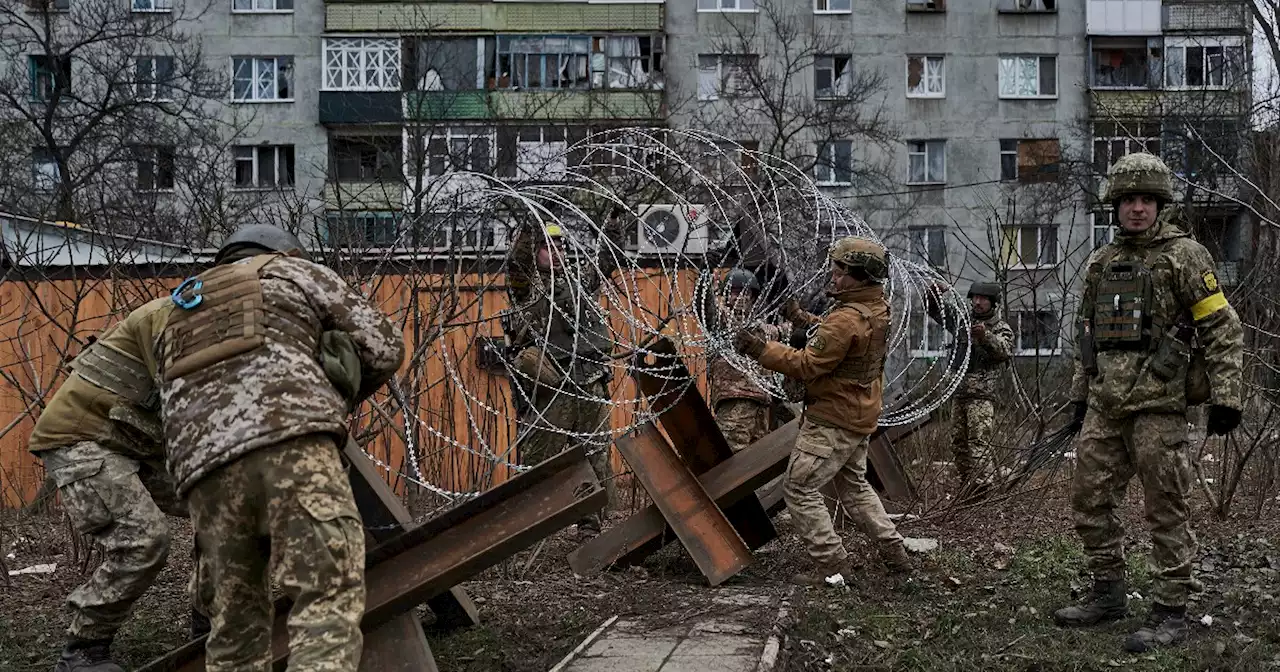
{"x":843,"y":364}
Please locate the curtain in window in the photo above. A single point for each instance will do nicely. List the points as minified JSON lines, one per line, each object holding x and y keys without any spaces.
{"x":626,"y":70}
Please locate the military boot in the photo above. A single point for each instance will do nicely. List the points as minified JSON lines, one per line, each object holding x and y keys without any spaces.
{"x":1107,"y":601}
{"x":894,"y":556}
{"x":1165,"y":626}
{"x":818,"y":577}
{"x":82,"y":655}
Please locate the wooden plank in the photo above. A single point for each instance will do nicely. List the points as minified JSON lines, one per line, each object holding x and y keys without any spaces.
{"x":704,"y":530}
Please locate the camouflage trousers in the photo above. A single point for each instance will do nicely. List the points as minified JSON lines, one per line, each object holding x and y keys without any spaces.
{"x":971,"y":440}
{"x":1109,"y":453}
{"x":742,"y":421}
{"x":118,"y":502}
{"x":286,"y":509}
{"x":837,"y":456}
{"x":588,"y":417}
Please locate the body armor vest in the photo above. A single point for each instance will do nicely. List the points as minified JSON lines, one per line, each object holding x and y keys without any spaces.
{"x":230,"y":318}
{"x":572,"y":317}
{"x":117,"y":372}
{"x":1122,"y":307}
{"x":868,"y":367}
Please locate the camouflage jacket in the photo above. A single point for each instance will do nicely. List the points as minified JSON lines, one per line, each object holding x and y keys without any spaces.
{"x":988,"y":358}
{"x":216,"y":414}
{"x":1184,"y":287}
{"x":83,"y":411}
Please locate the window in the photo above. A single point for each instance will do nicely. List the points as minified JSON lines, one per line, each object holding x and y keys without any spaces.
{"x":927,"y":162}
{"x":262,"y":5}
{"x":927,"y":338}
{"x":364,"y":159}
{"x":1103,"y":230}
{"x":45,"y":175}
{"x":926,"y":5}
{"x":731,"y":162}
{"x":1028,"y":76}
{"x":540,"y":154}
{"x":1126,"y":64}
{"x":155,"y":167}
{"x":834,"y":165}
{"x":1028,"y":5}
{"x":1029,"y":160}
{"x":929,"y":246}
{"x":264,"y":166}
{"x":152,"y":5}
{"x":724,"y":75}
{"x":357,"y":229}
{"x":361,"y":64}
{"x":154,"y":75}
{"x":460,"y":149}
{"x":1215,"y":66}
{"x":833,"y":6}
{"x":50,"y":5}
{"x":1113,"y":140}
{"x":262,"y":78}
{"x":1036,"y":332}
{"x":1200,"y":150}
{"x":925,"y":77}
{"x":1029,"y":246}
{"x":726,"y":5}
{"x":50,"y":76}
{"x":832,"y":76}
{"x":578,"y":62}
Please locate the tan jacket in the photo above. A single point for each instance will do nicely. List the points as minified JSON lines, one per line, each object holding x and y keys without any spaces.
{"x":843,"y":364}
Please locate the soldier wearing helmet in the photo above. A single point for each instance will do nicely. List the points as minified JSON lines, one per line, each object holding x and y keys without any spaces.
{"x":561,"y":345}
{"x":1151,"y":308}
{"x":260,"y":361}
{"x":842,"y":366}
{"x":990,"y":340}
{"x":740,"y":405}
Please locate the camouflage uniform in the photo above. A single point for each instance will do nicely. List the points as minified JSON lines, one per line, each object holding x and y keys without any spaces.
{"x":101,"y":443}
{"x":558,"y":328}
{"x":253,"y":425}
{"x":1137,"y":394}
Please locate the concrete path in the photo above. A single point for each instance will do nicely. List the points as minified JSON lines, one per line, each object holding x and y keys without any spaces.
{"x":738,"y":633}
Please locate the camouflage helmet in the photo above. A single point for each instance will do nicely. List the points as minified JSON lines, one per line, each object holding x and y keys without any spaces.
{"x":1139,"y":173}
{"x":262,"y":236}
{"x":863,"y":253}
{"x":741,"y":278}
{"x":990,"y":290}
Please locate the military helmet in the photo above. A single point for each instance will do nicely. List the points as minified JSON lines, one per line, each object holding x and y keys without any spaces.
{"x":863,"y":253}
{"x":990,"y":290}
{"x":263,"y":236}
{"x":1139,"y":173}
{"x":741,"y":278}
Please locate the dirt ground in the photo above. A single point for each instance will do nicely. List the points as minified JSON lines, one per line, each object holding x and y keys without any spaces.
{"x":981,"y":602}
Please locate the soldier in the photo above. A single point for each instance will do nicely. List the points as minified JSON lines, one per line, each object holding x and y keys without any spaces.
{"x":842,"y":366}
{"x":254,"y":412}
{"x":740,"y":405}
{"x":992,"y":347}
{"x":561,"y":344}
{"x":1151,"y":312}
{"x":101,"y":443}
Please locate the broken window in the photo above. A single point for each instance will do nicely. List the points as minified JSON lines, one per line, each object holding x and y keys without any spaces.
{"x":1127,"y":64}
{"x":832,"y":76}
{"x":1206,"y":65}
{"x":365,"y":159}
{"x":925,"y":77}
{"x":544,"y":62}
{"x":1029,"y":160}
{"x":460,"y":149}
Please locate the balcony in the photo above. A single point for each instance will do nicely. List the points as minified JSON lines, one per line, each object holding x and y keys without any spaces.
{"x":1198,"y":16}
{"x":1123,"y":17}
{"x":360,"y":107}
{"x":529,"y":17}
{"x":533,"y":105}
{"x":1104,"y":104}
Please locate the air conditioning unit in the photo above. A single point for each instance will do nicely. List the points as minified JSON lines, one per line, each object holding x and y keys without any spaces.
{"x":672,"y":229}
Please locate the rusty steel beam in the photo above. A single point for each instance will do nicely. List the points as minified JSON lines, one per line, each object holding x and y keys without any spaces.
{"x":423,"y":562}
{"x":699,"y":524}
{"x":731,"y":481}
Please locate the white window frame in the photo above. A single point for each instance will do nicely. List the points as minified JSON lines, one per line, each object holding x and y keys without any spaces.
{"x":1055,"y":333}
{"x":453,"y":134}
{"x":540,"y":151}
{"x":923,"y":148}
{"x":825,"y":170}
{"x":1012,"y":258}
{"x":45,"y":175}
{"x":262,"y":6}
{"x":237,"y":155}
{"x":151,"y":154}
{"x":922,"y":345}
{"x":349,"y":63}
{"x":153,"y":88}
{"x":1224,"y":43}
{"x":1154,"y":80}
{"x":841,"y":85}
{"x":926,"y":235}
{"x":1004,"y":152}
{"x":1101,"y":225}
{"x":727,"y":6}
{"x":152,"y":6}
{"x":925,"y":76}
{"x":281,"y":63}
{"x":824,"y":7}
{"x":726,"y":73}
{"x":1011,"y":65}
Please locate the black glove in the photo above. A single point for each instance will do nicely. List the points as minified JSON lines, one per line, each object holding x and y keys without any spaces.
{"x":1077,"y":420}
{"x":1222,"y":419}
{"x":749,"y":342}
